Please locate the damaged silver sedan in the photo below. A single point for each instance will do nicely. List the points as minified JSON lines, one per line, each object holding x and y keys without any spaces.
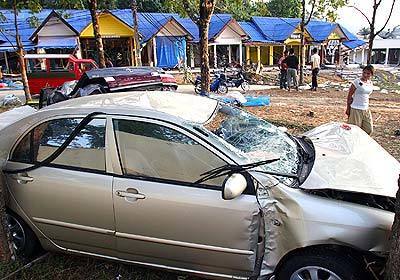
{"x":190,"y":184}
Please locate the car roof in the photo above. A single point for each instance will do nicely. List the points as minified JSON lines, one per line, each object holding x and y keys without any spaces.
{"x":158,"y":104}
{"x":122,"y":71}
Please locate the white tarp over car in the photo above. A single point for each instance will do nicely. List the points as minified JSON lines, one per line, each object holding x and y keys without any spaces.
{"x":348,"y":159}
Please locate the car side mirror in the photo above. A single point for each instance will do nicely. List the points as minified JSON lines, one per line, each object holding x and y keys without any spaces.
{"x":233,"y":186}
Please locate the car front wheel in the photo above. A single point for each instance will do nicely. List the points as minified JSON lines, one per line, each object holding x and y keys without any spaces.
{"x":321,"y":266}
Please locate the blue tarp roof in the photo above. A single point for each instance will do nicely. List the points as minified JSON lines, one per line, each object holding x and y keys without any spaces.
{"x":255,"y":35}
{"x":354,"y":41}
{"x":25,"y":29}
{"x":78,"y":19}
{"x":349,"y":35}
{"x":217,"y":24}
{"x":259,"y":29}
{"x":150,"y":23}
{"x":320,"y":30}
{"x":352,"y":44}
{"x":276,"y":29}
{"x":191,"y":27}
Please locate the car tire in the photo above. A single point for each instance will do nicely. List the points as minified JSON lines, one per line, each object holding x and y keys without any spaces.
{"x":24,"y":240}
{"x":197,"y":88}
{"x":315,"y":265}
{"x":222,"y":89}
{"x":245,"y":86}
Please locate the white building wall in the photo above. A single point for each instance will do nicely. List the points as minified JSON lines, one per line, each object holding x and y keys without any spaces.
{"x":55,"y":27}
{"x":228,"y":37}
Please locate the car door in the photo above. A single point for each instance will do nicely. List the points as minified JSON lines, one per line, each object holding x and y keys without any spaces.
{"x":69,"y":199}
{"x":163,"y":218}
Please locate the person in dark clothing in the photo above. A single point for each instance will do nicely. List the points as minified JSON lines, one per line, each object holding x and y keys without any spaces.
{"x":315,"y":65}
{"x":283,"y":68}
{"x":292,"y":63}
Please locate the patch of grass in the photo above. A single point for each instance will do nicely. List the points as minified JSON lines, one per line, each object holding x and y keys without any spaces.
{"x":60,"y":267}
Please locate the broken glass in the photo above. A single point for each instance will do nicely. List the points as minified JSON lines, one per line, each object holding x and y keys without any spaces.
{"x":257,"y":139}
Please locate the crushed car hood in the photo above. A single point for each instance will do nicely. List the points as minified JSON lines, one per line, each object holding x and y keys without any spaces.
{"x":348,"y":159}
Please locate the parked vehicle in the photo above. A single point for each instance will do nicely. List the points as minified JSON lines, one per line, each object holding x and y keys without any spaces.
{"x":238,"y":80}
{"x":52,"y":70}
{"x":116,"y":79}
{"x":218,"y":85}
{"x":191,"y":184}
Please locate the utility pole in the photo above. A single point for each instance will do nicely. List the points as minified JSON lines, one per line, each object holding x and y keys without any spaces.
{"x":138,"y":58}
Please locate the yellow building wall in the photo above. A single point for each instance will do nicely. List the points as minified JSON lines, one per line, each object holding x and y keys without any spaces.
{"x":265,"y":55}
{"x":253,"y":54}
{"x":109,"y":27}
{"x":290,"y":41}
{"x":334,"y":36}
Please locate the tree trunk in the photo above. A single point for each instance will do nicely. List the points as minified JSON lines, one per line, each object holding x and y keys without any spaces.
{"x":20,"y":53}
{"x":138,"y":57}
{"x":372,"y":32}
{"x":302,"y":43}
{"x":302,"y":56}
{"x":370,"y":45}
{"x":392,"y":271}
{"x":206,"y":10}
{"x":96,"y":30}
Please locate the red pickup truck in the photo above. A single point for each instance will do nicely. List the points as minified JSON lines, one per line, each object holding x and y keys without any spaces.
{"x":52,"y":70}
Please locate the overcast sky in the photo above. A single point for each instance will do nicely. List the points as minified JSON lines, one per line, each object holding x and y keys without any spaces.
{"x":354,"y":21}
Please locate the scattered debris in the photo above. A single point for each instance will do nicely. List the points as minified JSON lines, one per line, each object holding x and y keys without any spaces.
{"x":10,"y":100}
{"x":311,"y":114}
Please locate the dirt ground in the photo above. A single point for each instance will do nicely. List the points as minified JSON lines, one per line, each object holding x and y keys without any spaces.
{"x":304,"y":110}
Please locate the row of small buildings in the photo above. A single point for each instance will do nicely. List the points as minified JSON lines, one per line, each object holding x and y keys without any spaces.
{"x":170,"y":41}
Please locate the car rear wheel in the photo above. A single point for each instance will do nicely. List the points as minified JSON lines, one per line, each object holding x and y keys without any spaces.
{"x":321,"y":266}
{"x":23,"y":239}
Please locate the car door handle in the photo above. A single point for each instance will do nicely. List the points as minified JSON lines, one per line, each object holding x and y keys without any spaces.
{"x":130,"y":193}
{"x":22,"y":179}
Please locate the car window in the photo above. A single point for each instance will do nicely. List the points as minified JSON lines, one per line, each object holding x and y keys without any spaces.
{"x":156,"y":151}
{"x":87,"y":149}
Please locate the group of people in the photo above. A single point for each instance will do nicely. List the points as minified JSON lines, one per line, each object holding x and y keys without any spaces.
{"x":289,"y":66}
{"x":357,"y":109}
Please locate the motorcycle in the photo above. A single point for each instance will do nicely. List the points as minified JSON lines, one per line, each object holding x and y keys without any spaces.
{"x":238,"y":80}
{"x":218,"y":85}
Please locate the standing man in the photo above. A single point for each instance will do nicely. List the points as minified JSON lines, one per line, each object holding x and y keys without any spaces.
{"x":292,"y":63}
{"x":283,"y":74}
{"x":315,"y":65}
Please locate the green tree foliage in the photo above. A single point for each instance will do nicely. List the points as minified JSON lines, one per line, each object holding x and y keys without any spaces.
{"x":284,"y":8}
{"x":240,"y":9}
{"x":327,"y":9}
{"x":143,"y":5}
{"x":64,"y":4}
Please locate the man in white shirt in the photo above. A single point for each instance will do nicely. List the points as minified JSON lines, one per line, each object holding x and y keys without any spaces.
{"x":358,"y":100}
{"x":315,"y":65}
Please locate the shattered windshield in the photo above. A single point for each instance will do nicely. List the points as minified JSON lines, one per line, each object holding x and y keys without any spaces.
{"x":257,"y":139}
